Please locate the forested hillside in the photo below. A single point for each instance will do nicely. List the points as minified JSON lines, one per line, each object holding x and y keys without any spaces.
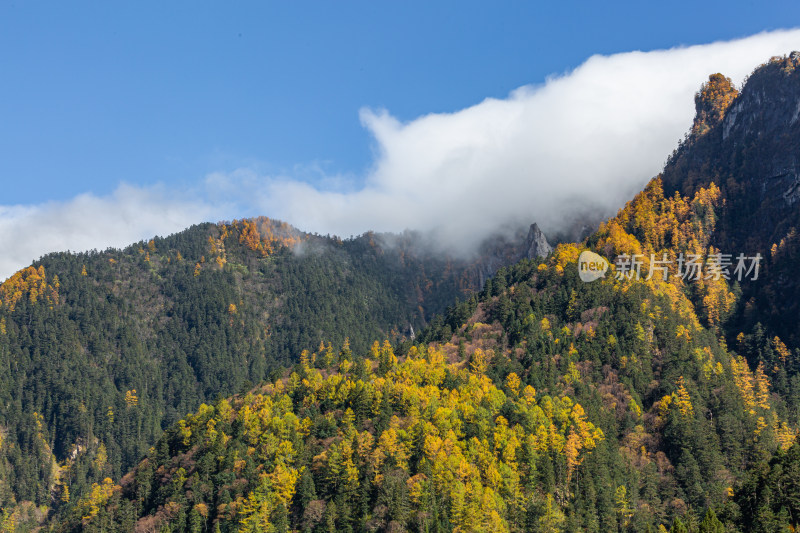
{"x":542,"y":404}
{"x":102,"y":351}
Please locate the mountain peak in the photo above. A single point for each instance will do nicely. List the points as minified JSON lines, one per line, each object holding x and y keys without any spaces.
{"x":502,"y":251}
{"x":536,"y":244}
{"x":711,"y":102}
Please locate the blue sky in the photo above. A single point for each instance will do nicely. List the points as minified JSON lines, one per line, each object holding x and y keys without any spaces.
{"x":101,"y":92}
{"x":166,"y":97}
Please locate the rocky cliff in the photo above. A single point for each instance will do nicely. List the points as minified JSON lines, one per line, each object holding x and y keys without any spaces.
{"x":748,"y":144}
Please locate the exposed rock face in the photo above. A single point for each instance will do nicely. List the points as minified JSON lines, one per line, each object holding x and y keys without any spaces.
{"x":536,"y":243}
{"x":748,"y":144}
{"x":499,"y":252}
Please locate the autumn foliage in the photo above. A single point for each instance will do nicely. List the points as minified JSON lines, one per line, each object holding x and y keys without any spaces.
{"x":30,"y":283}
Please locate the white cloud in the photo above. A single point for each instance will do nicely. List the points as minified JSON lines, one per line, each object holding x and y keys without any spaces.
{"x":91,"y":222}
{"x":590,"y":137}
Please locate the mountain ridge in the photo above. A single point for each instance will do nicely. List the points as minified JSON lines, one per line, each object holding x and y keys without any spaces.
{"x":163,"y":325}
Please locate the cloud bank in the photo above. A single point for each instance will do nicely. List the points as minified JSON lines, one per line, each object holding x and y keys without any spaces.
{"x":587,"y":139}
{"x":90,"y":222}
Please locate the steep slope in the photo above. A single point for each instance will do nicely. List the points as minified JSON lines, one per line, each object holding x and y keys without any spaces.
{"x":101,"y":351}
{"x":748,"y":145}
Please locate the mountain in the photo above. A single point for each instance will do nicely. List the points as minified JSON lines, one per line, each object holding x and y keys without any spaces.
{"x":747,"y":144}
{"x":552,"y":405}
{"x":102,"y":351}
{"x":538,"y":403}
{"x":543,"y":403}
